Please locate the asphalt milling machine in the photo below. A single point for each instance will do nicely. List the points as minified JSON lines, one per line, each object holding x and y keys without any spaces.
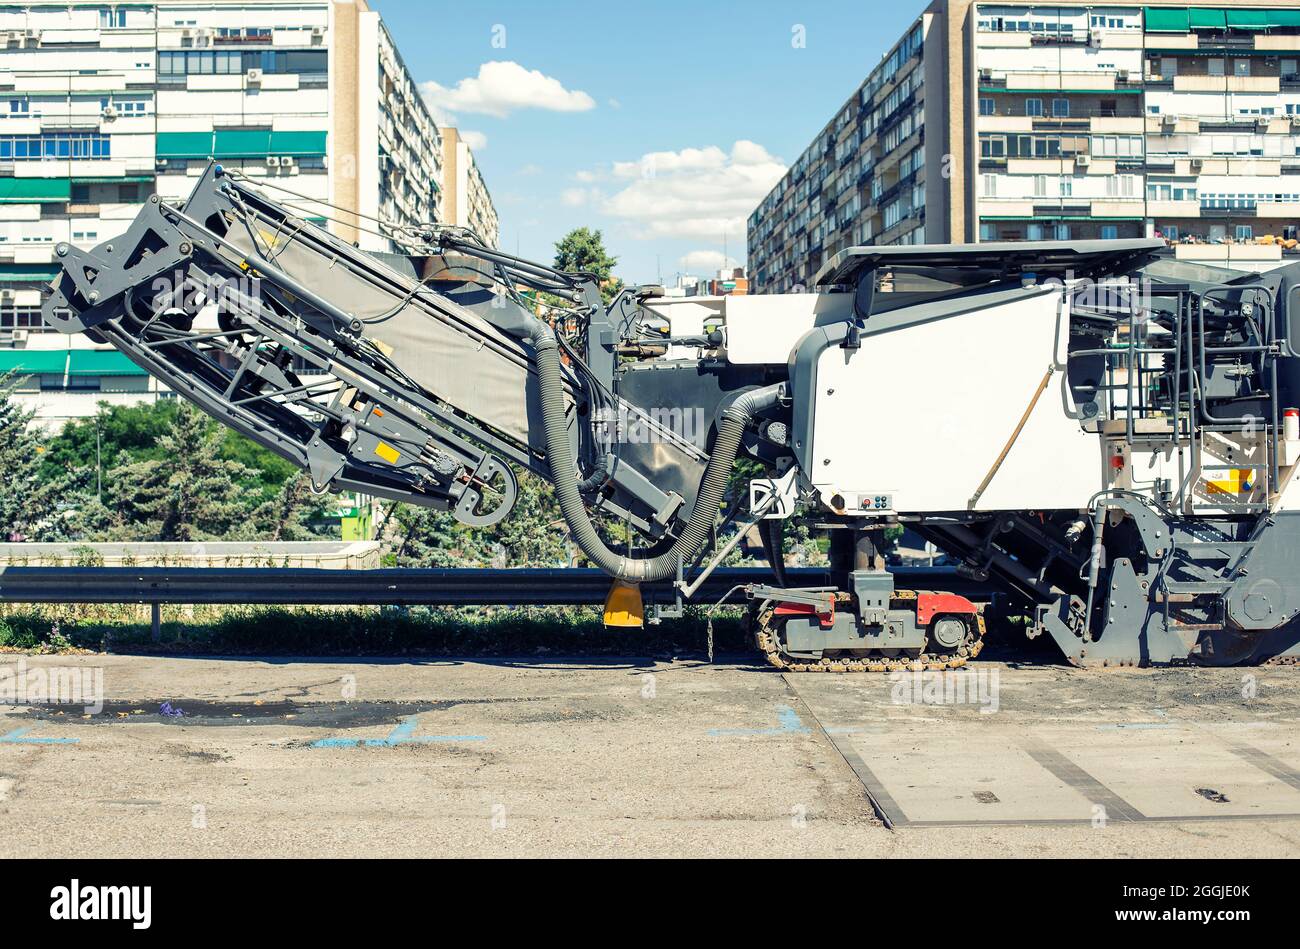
{"x":1106,"y":437}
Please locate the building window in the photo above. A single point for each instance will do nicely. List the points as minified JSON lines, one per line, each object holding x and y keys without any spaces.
{"x":1061,"y":232}
{"x":1034,"y":232}
{"x":1215,"y":66}
{"x":1245,"y":232}
{"x":990,"y":186}
{"x":54,"y":145}
{"x":235,"y":62}
{"x":1040,"y":186}
{"x":112,"y":18}
{"x":1241,"y":67}
{"x":987,"y":107}
{"x":1119,"y":186}
{"x":19,"y":107}
{"x":1170,"y":232}
{"x":1067,"y":187}
{"x":988,"y":232}
{"x":1033,"y":107}
{"x":1109,"y":232}
{"x":1061,"y":108}
{"x":1168,"y":67}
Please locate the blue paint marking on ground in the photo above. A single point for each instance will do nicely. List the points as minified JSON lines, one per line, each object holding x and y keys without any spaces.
{"x":788,"y":723}
{"x":15,"y":737}
{"x":403,"y":734}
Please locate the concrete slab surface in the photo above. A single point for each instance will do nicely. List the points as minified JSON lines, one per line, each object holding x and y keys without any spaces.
{"x":547,"y":756}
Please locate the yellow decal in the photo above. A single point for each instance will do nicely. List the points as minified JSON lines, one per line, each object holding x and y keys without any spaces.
{"x":1234,"y":482}
{"x":387,"y":452}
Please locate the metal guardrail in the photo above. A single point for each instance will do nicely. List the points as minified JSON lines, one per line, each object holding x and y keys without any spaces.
{"x":398,"y":586}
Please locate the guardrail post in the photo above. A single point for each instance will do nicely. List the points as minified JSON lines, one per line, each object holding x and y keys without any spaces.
{"x":156,"y":617}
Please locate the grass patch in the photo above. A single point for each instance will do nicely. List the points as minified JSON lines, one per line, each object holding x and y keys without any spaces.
{"x":387,"y":631}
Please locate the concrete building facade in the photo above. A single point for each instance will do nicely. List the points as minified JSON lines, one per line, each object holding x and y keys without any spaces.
{"x":1074,"y":121}
{"x":102,"y":105}
{"x":467,"y":201}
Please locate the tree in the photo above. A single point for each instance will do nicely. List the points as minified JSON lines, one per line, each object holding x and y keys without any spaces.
{"x":92,"y":443}
{"x":99,"y":439}
{"x":189,"y":493}
{"x":532,"y":535}
{"x":583,"y":249}
{"x":285,"y":516}
{"x":29,"y":503}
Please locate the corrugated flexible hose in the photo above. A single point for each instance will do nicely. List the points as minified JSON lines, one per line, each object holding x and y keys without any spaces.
{"x":564,"y":474}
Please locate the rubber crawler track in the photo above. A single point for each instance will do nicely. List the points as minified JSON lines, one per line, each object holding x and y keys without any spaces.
{"x":766,"y":639}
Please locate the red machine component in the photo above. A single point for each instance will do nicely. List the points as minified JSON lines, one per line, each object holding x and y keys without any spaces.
{"x":930,"y":605}
{"x":826,"y":619}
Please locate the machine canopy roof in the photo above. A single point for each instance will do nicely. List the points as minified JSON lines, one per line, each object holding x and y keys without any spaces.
{"x":974,"y":264}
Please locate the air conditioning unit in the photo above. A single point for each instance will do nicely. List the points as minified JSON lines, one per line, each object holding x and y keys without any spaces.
{"x":287,"y":163}
{"x":1295,"y":121}
{"x":1121,"y":75}
{"x":1196,"y":164}
{"x":1083,"y":161}
{"x":19,"y":336}
{"x":272,"y":161}
{"x":6,"y":294}
{"x":986,"y":72}
{"x":1262,"y":123}
{"x":109,"y":112}
{"x":317,"y":32}
{"x":1094,"y":38}
{"x":160,"y":164}
{"x":254,"y":76}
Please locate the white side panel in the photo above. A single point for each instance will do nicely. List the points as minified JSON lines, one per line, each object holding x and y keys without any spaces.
{"x":922,"y":413}
{"x":763,"y":329}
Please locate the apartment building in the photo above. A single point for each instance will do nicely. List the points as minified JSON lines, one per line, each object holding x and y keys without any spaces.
{"x":467,"y":202}
{"x":102,"y":105}
{"x":1054,"y":121}
{"x":865,"y":177}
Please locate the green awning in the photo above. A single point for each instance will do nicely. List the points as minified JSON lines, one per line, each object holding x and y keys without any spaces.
{"x":1284,"y":18}
{"x":97,"y":362}
{"x":27,"y":273}
{"x":183,"y":144}
{"x":243,"y":143}
{"x":297,"y":143}
{"x":33,"y":362}
{"x":1164,"y":20}
{"x":239,"y":143}
{"x":34,"y":190}
{"x":1203,"y":19}
{"x":1248,"y":19}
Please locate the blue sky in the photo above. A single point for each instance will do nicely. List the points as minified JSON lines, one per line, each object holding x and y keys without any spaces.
{"x":661,"y":123}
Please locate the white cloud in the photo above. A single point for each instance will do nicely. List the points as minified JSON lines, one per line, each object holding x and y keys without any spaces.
{"x":579,"y":197}
{"x":586,"y":177}
{"x":475,"y":140}
{"x":502,"y":87}
{"x":706,"y":261}
{"x":695,"y":192}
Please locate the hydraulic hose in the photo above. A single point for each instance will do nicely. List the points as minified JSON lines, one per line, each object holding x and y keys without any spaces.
{"x":564,"y":474}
